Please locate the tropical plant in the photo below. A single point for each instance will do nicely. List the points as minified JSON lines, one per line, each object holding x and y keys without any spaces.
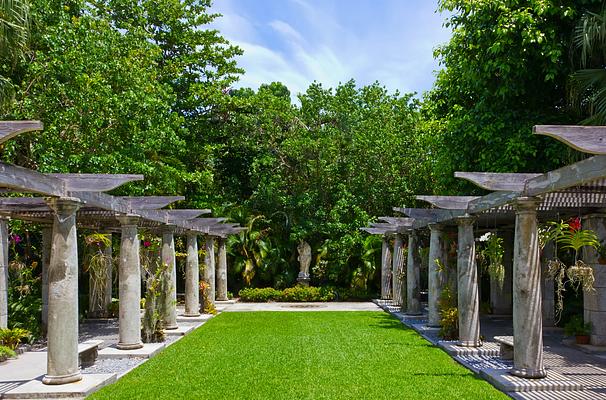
{"x":577,"y":327}
{"x":12,"y":337}
{"x":570,"y":236}
{"x":491,"y":257}
{"x":99,"y":266}
{"x":449,"y":315}
{"x":6,"y":352}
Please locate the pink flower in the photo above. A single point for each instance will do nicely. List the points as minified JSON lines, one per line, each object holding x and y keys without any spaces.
{"x":16,"y":238}
{"x":146,"y":243}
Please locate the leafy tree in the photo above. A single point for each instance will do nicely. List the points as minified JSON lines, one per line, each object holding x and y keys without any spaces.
{"x":14,"y":34}
{"x":505,"y":70}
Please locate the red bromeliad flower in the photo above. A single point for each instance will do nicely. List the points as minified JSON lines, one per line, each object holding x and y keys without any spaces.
{"x":575,"y":224}
{"x":146,"y":243}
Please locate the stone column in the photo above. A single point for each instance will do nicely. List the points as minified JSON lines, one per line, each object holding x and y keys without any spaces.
{"x":594,"y":304}
{"x":386,"y":259}
{"x":436,"y":276}
{"x":222,"y":271}
{"x":209,"y":268}
{"x":398,"y":272}
{"x":468,"y":295}
{"x":62,"y":345}
{"x":192,"y":277}
{"x":129,"y":276}
{"x":47,"y":242}
{"x":527,"y":311}
{"x":548,"y":304}
{"x":3,"y":273}
{"x":413,"y":276}
{"x":501,"y":297}
{"x":170,"y":276}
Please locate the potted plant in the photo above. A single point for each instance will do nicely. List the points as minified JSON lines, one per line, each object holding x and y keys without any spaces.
{"x":579,"y":329}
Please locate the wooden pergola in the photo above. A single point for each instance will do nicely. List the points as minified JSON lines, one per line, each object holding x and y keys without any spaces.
{"x":518,"y":200}
{"x":78,"y":200}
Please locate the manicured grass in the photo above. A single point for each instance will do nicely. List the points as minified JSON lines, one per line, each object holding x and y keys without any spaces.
{"x":301,"y":355}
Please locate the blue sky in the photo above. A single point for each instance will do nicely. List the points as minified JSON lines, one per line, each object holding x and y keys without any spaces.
{"x":330,"y":41}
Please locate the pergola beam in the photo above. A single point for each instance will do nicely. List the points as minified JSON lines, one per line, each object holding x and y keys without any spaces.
{"x":512,"y":182}
{"x":95,"y":182}
{"x":10,"y":129}
{"x":150,"y":202}
{"x":588,"y":139}
{"x":448,"y":202}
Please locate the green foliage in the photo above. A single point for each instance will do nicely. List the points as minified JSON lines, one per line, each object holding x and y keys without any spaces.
{"x":6,"y":352}
{"x":12,"y":337}
{"x":449,"y":315}
{"x":307,"y":293}
{"x":491,"y":256}
{"x":259,"y":295}
{"x":24,"y":295}
{"x":297,"y":293}
{"x":576,"y":327}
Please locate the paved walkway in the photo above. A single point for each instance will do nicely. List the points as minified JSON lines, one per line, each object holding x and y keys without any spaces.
{"x":571,"y":372}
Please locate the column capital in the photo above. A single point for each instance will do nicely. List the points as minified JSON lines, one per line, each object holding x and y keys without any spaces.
{"x":465,"y":220}
{"x":128,"y":220}
{"x":168,"y":228}
{"x":526,"y":204}
{"x":64,"y":206}
{"x":192,"y":233}
{"x":435,"y":226}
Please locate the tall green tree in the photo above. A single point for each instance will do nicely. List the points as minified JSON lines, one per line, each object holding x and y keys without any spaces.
{"x":14,"y":34}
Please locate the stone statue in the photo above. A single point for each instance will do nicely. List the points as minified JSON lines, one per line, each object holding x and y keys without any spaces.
{"x":304,"y":258}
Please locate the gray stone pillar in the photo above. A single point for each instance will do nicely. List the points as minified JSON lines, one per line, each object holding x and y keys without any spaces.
{"x":436,"y":276}
{"x":468,"y":295}
{"x":398,"y":272}
{"x":413,"y":276}
{"x":222,"y":270}
{"x":62,"y":345}
{"x":594,"y":304}
{"x":47,"y":242}
{"x":501,"y":297}
{"x":3,"y":273}
{"x":192,"y":277}
{"x":548,"y":304}
{"x":170,"y":276}
{"x":129,"y":276}
{"x":527,"y":311}
{"x":209,"y":268}
{"x":386,"y":259}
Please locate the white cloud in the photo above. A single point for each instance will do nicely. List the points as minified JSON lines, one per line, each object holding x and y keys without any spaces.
{"x":332,"y":41}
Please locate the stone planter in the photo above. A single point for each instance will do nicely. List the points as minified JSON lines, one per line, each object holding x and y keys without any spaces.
{"x":582,"y":339}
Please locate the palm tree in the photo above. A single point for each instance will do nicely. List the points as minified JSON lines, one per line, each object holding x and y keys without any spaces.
{"x":588,"y":84}
{"x":14,"y":33}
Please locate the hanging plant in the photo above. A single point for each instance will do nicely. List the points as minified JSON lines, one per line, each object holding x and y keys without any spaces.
{"x":97,"y":265}
{"x":570,"y":236}
{"x":491,"y":256}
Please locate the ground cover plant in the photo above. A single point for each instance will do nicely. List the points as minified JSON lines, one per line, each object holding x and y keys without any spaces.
{"x":301,"y":355}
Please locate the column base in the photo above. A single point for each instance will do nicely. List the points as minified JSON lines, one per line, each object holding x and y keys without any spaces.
{"x":61,"y":379}
{"x":222,"y":298}
{"x":171,"y":327}
{"x":193,"y":314}
{"x":129,"y":346}
{"x":529,"y":373}
{"x":470,"y":343}
{"x":413,"y":313}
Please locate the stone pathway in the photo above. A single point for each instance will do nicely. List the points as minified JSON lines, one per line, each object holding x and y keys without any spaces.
{"x":572,"y":373}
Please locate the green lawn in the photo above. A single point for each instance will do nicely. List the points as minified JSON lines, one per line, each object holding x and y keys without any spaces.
{"x":301,"y":355}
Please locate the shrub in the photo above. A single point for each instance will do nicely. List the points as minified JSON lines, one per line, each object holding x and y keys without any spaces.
{"x":259,"y":295}
{"x":12,"y":337}
{"x":6,"y":352}
{"x":576,"y":327}
{"x":305,"y":293}
{"x":449,"y":315}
